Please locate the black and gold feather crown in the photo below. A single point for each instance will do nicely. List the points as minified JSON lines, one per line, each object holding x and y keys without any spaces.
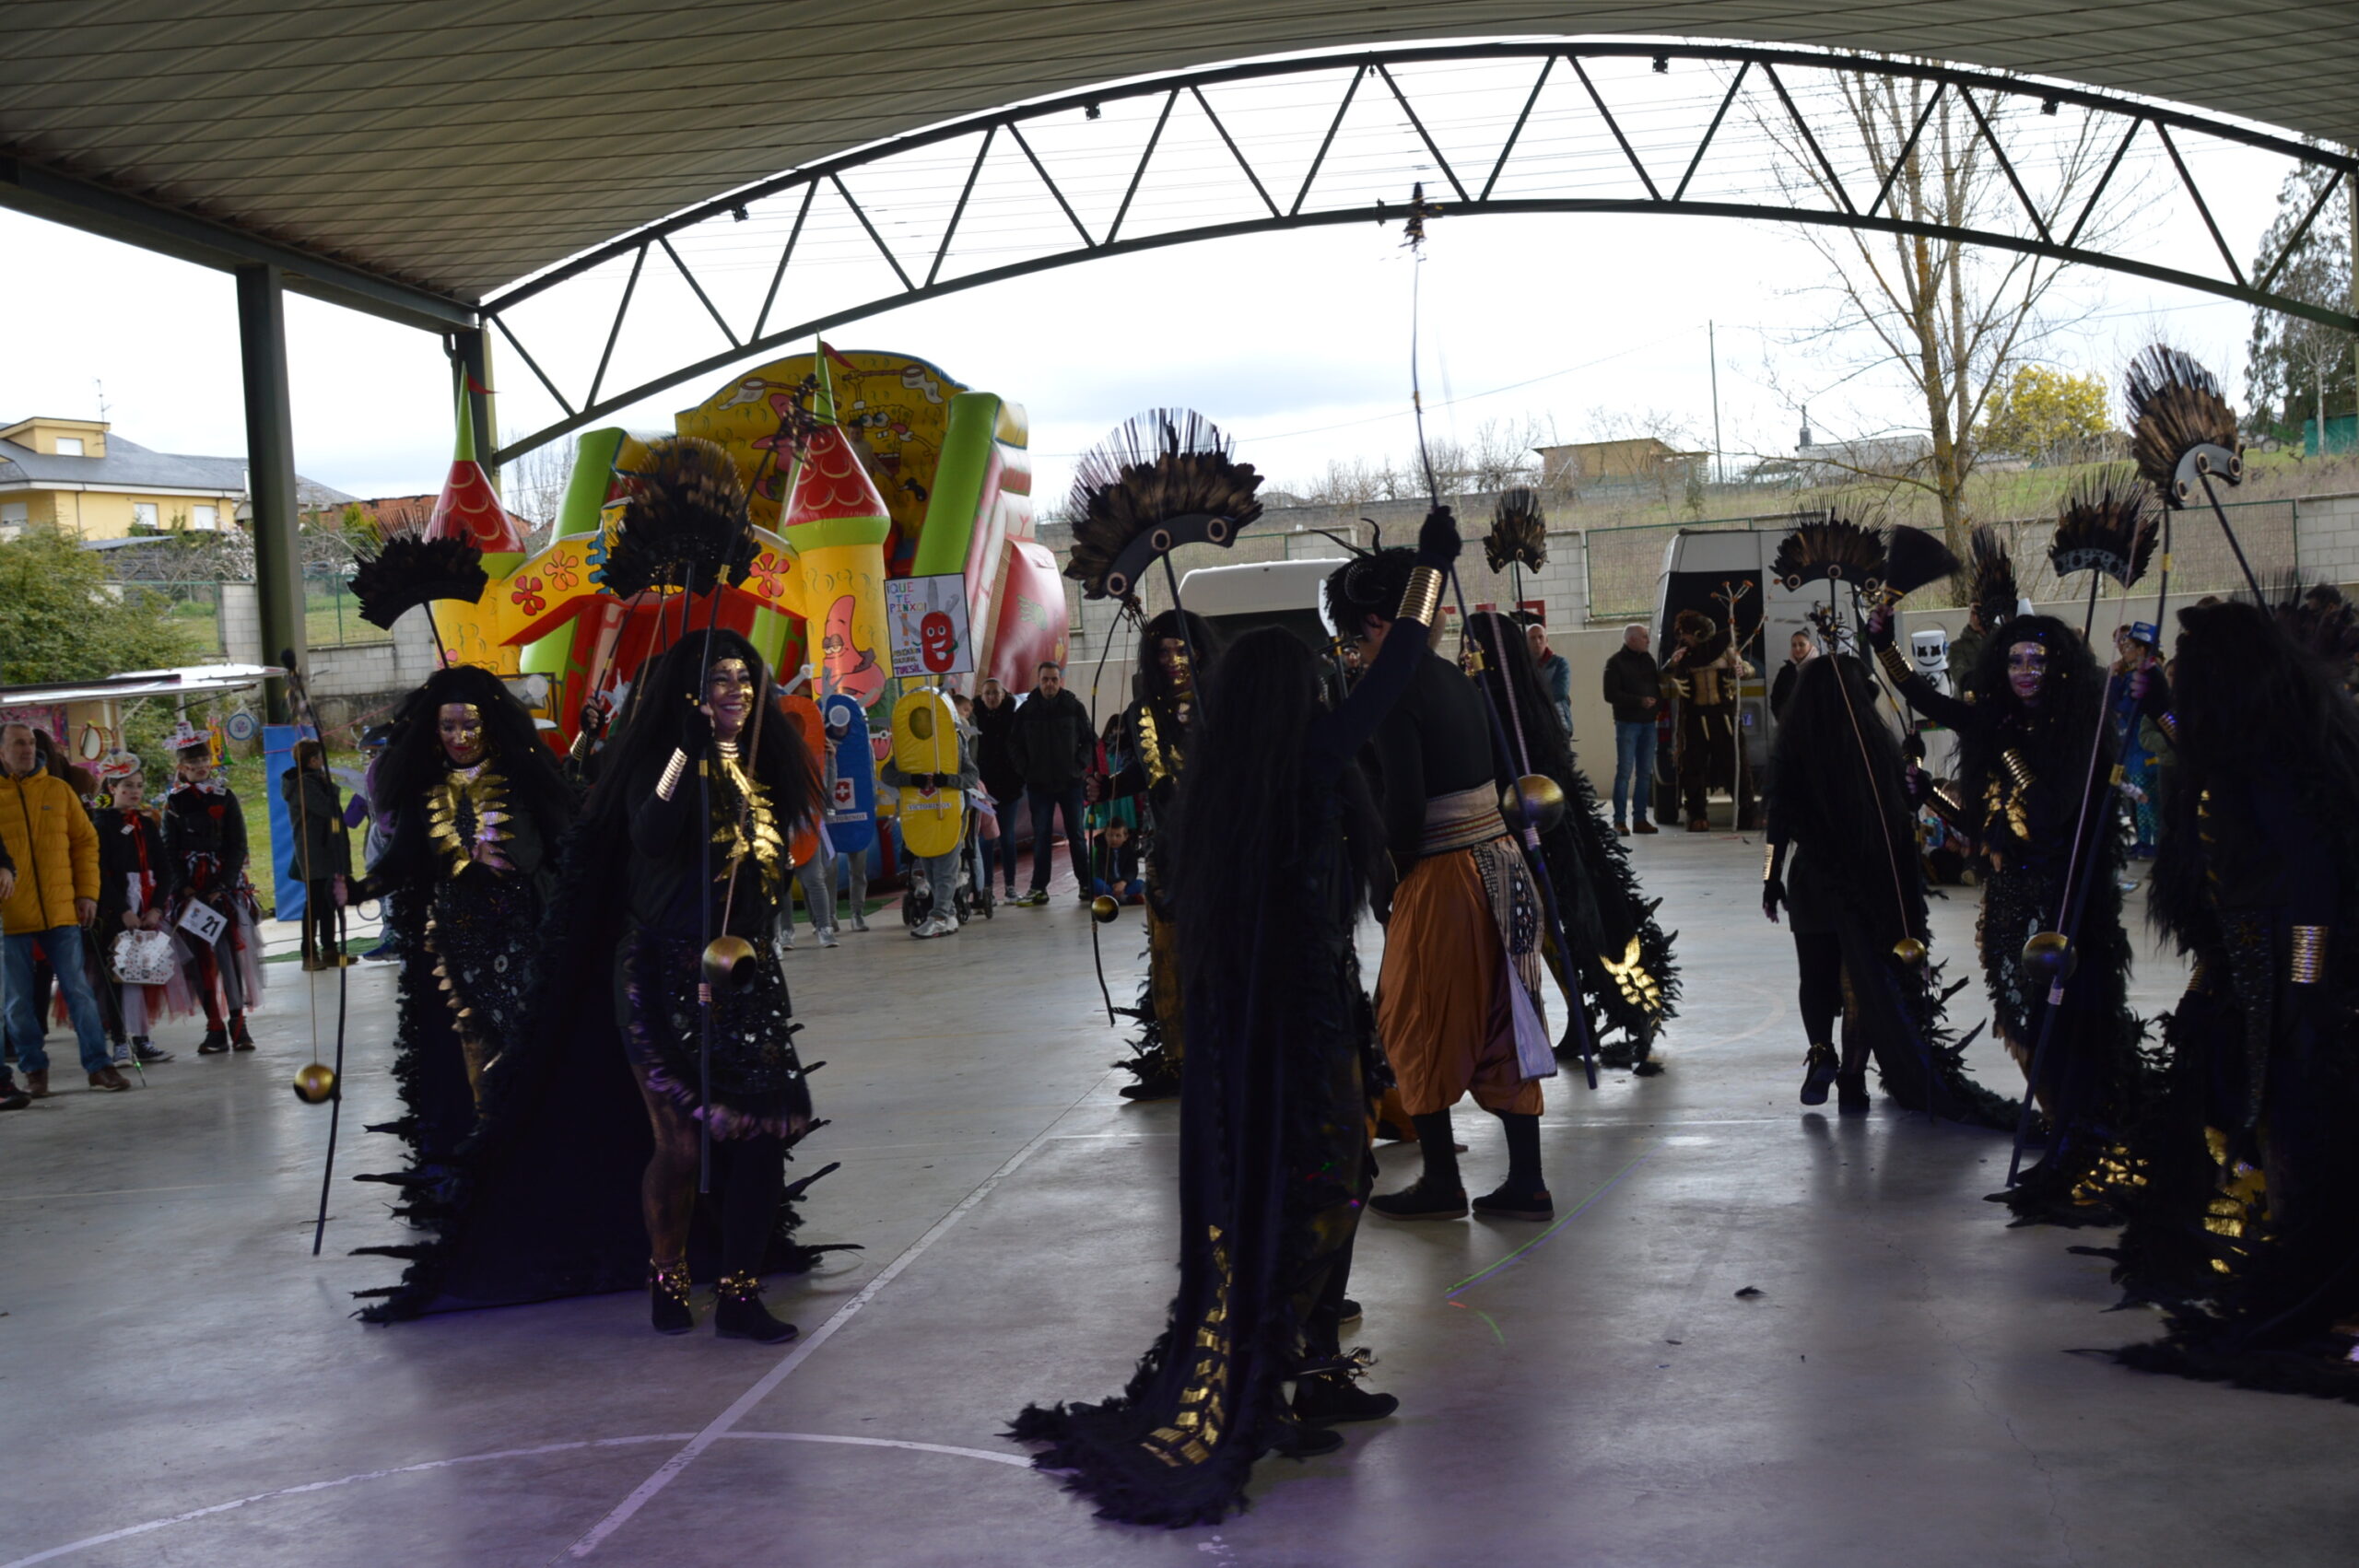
{"x":1833,"y":550}
{"x":1167,"y":477}
{"x":2176,"y":406}
{"x":1519,"y":531}
{"x":686,"y":522}
{"x":2107,"y":524}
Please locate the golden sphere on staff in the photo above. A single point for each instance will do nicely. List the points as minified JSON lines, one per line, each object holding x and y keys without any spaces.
{"x":1909,"y":951}
{"x":729,"y":963}
{"x":1535,"y":798}
{"x":1105,"y":909}
{"x":2051,"y":957}
{"x":316,"y":1083}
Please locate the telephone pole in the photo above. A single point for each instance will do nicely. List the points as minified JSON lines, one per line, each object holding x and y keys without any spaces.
{"x":1712,"y":347}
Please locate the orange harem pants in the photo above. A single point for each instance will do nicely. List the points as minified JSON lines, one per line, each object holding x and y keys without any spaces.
{"x":1441,"y":996}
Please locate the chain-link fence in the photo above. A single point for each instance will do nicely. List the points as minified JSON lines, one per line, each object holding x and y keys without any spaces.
{"x":194,"y":609}
{"x":331,"y":614}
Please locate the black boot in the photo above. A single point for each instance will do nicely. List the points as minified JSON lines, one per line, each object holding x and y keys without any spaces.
{"x":239,"y":1038}
{"x":1851,"y":1095}
{"x":1330,"y":1398}
{"x":216,"y":1041}
{"x":738,"y":1313}
{"x":1293,"y":1440}
{"x":752,"y":1184}
{"x":1819,"y":1068}
{"x":1437,"y":1194}
{"x":667,"y":1297}
{"x":1523,"y":1196}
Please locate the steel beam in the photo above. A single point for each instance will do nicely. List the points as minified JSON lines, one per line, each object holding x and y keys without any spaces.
{"x":471,"y":364}
{"x":172,"y":231}
{"x":270,"y":472}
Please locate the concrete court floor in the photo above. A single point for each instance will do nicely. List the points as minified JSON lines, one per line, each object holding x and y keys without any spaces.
{"x":181,"y":1383}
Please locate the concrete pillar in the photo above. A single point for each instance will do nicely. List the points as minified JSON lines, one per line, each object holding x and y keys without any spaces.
{"x":270,"y":473}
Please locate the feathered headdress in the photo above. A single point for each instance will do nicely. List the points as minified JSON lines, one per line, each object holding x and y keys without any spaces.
{"x":1833,"y":551}
{"x":2176,"y":406}
{"x":2319,"y":618}
{"x":1519,"y":531}
{"x":1990,"y":577}
{"x":2107,"y":524}
{"x":1167,"y":477}
{"x":684,"y":525}
{"x":1913,"y":558}
{"x":398,"y":572}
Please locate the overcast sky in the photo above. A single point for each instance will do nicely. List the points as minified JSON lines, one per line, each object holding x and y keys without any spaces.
{"x":1297,"y":343}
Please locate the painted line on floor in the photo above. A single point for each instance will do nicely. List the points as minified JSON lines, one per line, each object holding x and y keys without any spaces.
{"x":1611,"y":1182}
{"x":152,"y":1524}
{"x":720,"y":1424}
{"x":52,"y":1554}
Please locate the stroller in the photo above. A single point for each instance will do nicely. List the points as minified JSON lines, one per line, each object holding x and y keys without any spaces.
{"x":972,"y":893}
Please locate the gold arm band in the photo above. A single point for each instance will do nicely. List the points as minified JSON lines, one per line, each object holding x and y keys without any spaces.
{"x":1422,"y":597}
{"x":2308,"y":960}
{"x":672,"y":771}
{"x":1895,"y":665}
{"x":2017,"y":768}
{"x":2168,"y":725}
{"x":1769,"y":862}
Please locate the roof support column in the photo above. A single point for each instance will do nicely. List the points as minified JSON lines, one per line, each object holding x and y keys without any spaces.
{"x":270,"y":472}
{"x":471,"y":356}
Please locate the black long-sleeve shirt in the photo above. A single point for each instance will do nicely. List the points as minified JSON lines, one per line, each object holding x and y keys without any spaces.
{"x":1435,"y":741}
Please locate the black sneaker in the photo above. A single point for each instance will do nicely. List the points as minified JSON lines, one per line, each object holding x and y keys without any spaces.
{"x":12,"y":1098}
{"x":143,"y":1049}
{"x":1296,"y":1441}
{"x":1819,"y":1068}
{"x":1160,"y":1085}
{"x":239,"y":1038}
{"x":1421,"y":1201}
{"x":215,"y":1042}
{"x":1347,"y":1311}
{"x":1335,"y":1396}
{"x":1507,"y":1203}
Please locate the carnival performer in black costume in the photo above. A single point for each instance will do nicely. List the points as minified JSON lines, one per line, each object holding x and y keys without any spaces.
{"x":2032,"y":711}
{"x":1626,"y":974}
{"x":2242,"y":1206}
{"x":1161,"y":725}
{"x":1842,"y":865}
{"x":582,"y":1175}
{"x":479,"y":807}
{"x":205,"y":833}
{"x":1274,"y":1164}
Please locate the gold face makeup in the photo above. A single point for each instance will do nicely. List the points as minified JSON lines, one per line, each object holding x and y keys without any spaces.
{"x":460,"y":725}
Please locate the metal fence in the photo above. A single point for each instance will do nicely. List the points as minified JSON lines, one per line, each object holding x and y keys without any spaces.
{"x":331,"y":614}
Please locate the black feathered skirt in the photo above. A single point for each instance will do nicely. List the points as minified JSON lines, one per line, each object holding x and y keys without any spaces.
{"x":757,"y":1087}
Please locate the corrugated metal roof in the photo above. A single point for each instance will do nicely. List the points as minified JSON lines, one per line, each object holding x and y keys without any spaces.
{"x":465,"y":144}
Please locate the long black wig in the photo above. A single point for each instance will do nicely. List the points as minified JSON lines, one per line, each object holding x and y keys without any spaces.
{"x":1280,"y":846}
{"x":2256,"y":1074}
{"x":1838,"y":794}
{"x":1629,"y":994}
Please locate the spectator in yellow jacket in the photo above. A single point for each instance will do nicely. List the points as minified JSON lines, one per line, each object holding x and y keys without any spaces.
{"x":47,"y":837}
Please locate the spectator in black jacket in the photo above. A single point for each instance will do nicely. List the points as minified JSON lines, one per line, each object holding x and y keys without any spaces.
{"x":1054,"y":743}
{"x":1003,"y":779}
{"x":1634,"y":689}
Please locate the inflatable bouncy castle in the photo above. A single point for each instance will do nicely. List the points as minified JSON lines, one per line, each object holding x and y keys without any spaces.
{"x":863,"y":467}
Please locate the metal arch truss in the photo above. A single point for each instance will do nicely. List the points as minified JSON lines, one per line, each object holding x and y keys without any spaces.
{"x":1461,"y":186}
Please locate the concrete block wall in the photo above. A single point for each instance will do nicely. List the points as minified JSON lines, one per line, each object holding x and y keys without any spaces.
{"x":2326,"y":537}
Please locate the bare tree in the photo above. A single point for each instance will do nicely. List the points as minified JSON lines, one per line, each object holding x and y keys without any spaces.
{"x":534,"y":486}
{"x":1954,"y":318}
